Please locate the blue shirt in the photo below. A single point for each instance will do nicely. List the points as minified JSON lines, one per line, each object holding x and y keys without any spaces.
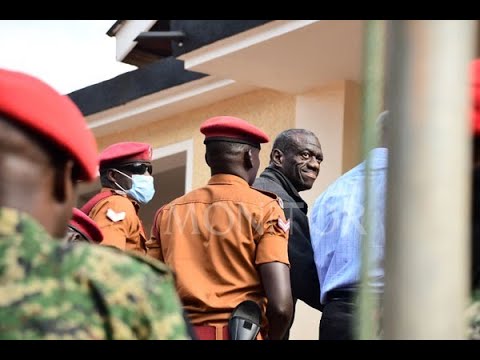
{"x":336,"y":227}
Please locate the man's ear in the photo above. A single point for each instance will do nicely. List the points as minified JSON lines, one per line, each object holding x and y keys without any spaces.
{"x":63,"y":183}
{"x":73,"y":236}
{"x":206,"y":159}
{"x":276,"y":157}
{"x":248,"y":159}
{"x":111,"y":175}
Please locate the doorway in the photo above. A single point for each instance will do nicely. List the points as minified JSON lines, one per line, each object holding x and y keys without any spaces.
{"x":172,"y":173}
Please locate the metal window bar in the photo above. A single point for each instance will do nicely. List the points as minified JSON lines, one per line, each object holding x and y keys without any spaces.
{"x":366,"y":324}
{"x":428,"y":207}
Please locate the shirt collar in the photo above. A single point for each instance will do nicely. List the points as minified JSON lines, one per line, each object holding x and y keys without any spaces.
{"x":271,"y":172}
{"x":227,"y":179}
{"x":135,"y":203}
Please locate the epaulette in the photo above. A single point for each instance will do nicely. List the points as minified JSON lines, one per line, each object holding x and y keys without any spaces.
{"x":155,"y":264}
{"x":272,"y":195}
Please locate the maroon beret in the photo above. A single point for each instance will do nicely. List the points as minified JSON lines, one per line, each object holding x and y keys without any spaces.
{"x":229,"y":128}
{"x":86,"y":226}
{"x":125,"y":152}
{"x":35,"y":105}
{"x":475,"y":93}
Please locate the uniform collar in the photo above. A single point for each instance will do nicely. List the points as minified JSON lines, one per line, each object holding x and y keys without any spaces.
{"x":227,"y":179}
{"x":114,"y":191}
{"x":122,"y":193}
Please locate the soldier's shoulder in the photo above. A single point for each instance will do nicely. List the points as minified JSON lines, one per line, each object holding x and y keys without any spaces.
{"x":107,"y":259}
{"x":191,"y":196}
{"x":14,"y":222}
{"x":117,"y":198}
{"x":117,"y":207}
{"x":154,"y":264}
{"x":267,"y":198}
{"x":473,"y":319}
{"x":30,"y":236}
{"x":265,"y":194}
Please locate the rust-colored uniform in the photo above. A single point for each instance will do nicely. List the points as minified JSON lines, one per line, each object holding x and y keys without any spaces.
{"x":214,"y":238}
{"x":117,"y":217}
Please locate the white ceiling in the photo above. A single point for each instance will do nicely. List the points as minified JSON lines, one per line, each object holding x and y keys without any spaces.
{"x":286,"y":55}
{"x":291,"y":56}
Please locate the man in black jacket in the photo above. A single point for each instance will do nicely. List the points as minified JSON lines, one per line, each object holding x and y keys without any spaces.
{"x":294,"y":166}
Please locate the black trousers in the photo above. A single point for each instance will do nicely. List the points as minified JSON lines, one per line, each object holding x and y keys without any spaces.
{"x":337,"y":320}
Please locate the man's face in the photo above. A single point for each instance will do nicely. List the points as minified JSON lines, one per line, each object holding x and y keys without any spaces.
{"x":129,"y":169}
{"x":301,"y":162}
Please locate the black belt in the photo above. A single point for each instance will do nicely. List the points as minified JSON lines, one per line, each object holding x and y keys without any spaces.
{"x":347,"y":295}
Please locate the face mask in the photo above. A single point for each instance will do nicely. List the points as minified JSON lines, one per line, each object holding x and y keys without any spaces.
{"x":142,"y":187}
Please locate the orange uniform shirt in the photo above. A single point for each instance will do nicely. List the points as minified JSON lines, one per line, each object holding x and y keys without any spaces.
{"x":214,"y":238}
{"x":117,"y":217}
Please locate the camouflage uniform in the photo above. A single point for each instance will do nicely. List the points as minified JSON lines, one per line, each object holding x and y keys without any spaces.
{"x":54,"y":290}
{"x":473,"y":317}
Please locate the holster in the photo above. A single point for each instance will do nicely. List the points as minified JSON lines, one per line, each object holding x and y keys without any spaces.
{"x":244,"y":323}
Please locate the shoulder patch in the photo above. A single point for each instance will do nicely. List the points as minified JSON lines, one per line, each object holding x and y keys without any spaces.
{"x":114,"y":216}
{"x":284,"y":225}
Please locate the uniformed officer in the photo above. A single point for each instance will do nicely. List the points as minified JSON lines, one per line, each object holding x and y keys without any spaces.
{"x":227,"y":242}
{"x":127,"y":182}
{"x":51,"y":289}
{"x":83,"y":229}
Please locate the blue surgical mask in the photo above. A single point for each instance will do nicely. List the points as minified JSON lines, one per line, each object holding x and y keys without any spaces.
{"x":142,"y":188}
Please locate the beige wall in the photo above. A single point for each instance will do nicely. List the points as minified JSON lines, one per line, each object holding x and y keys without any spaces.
{"x":270,"y":110}
{"x":352,"y":128}
{"x":332,"y":113}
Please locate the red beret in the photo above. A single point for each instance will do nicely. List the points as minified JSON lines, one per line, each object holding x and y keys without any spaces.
{"x":229,"y":128}
{"x":125,"y":152}
{"x":86,"y":226}
{"x":32,"y":103}
{"x":475,"y":91}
